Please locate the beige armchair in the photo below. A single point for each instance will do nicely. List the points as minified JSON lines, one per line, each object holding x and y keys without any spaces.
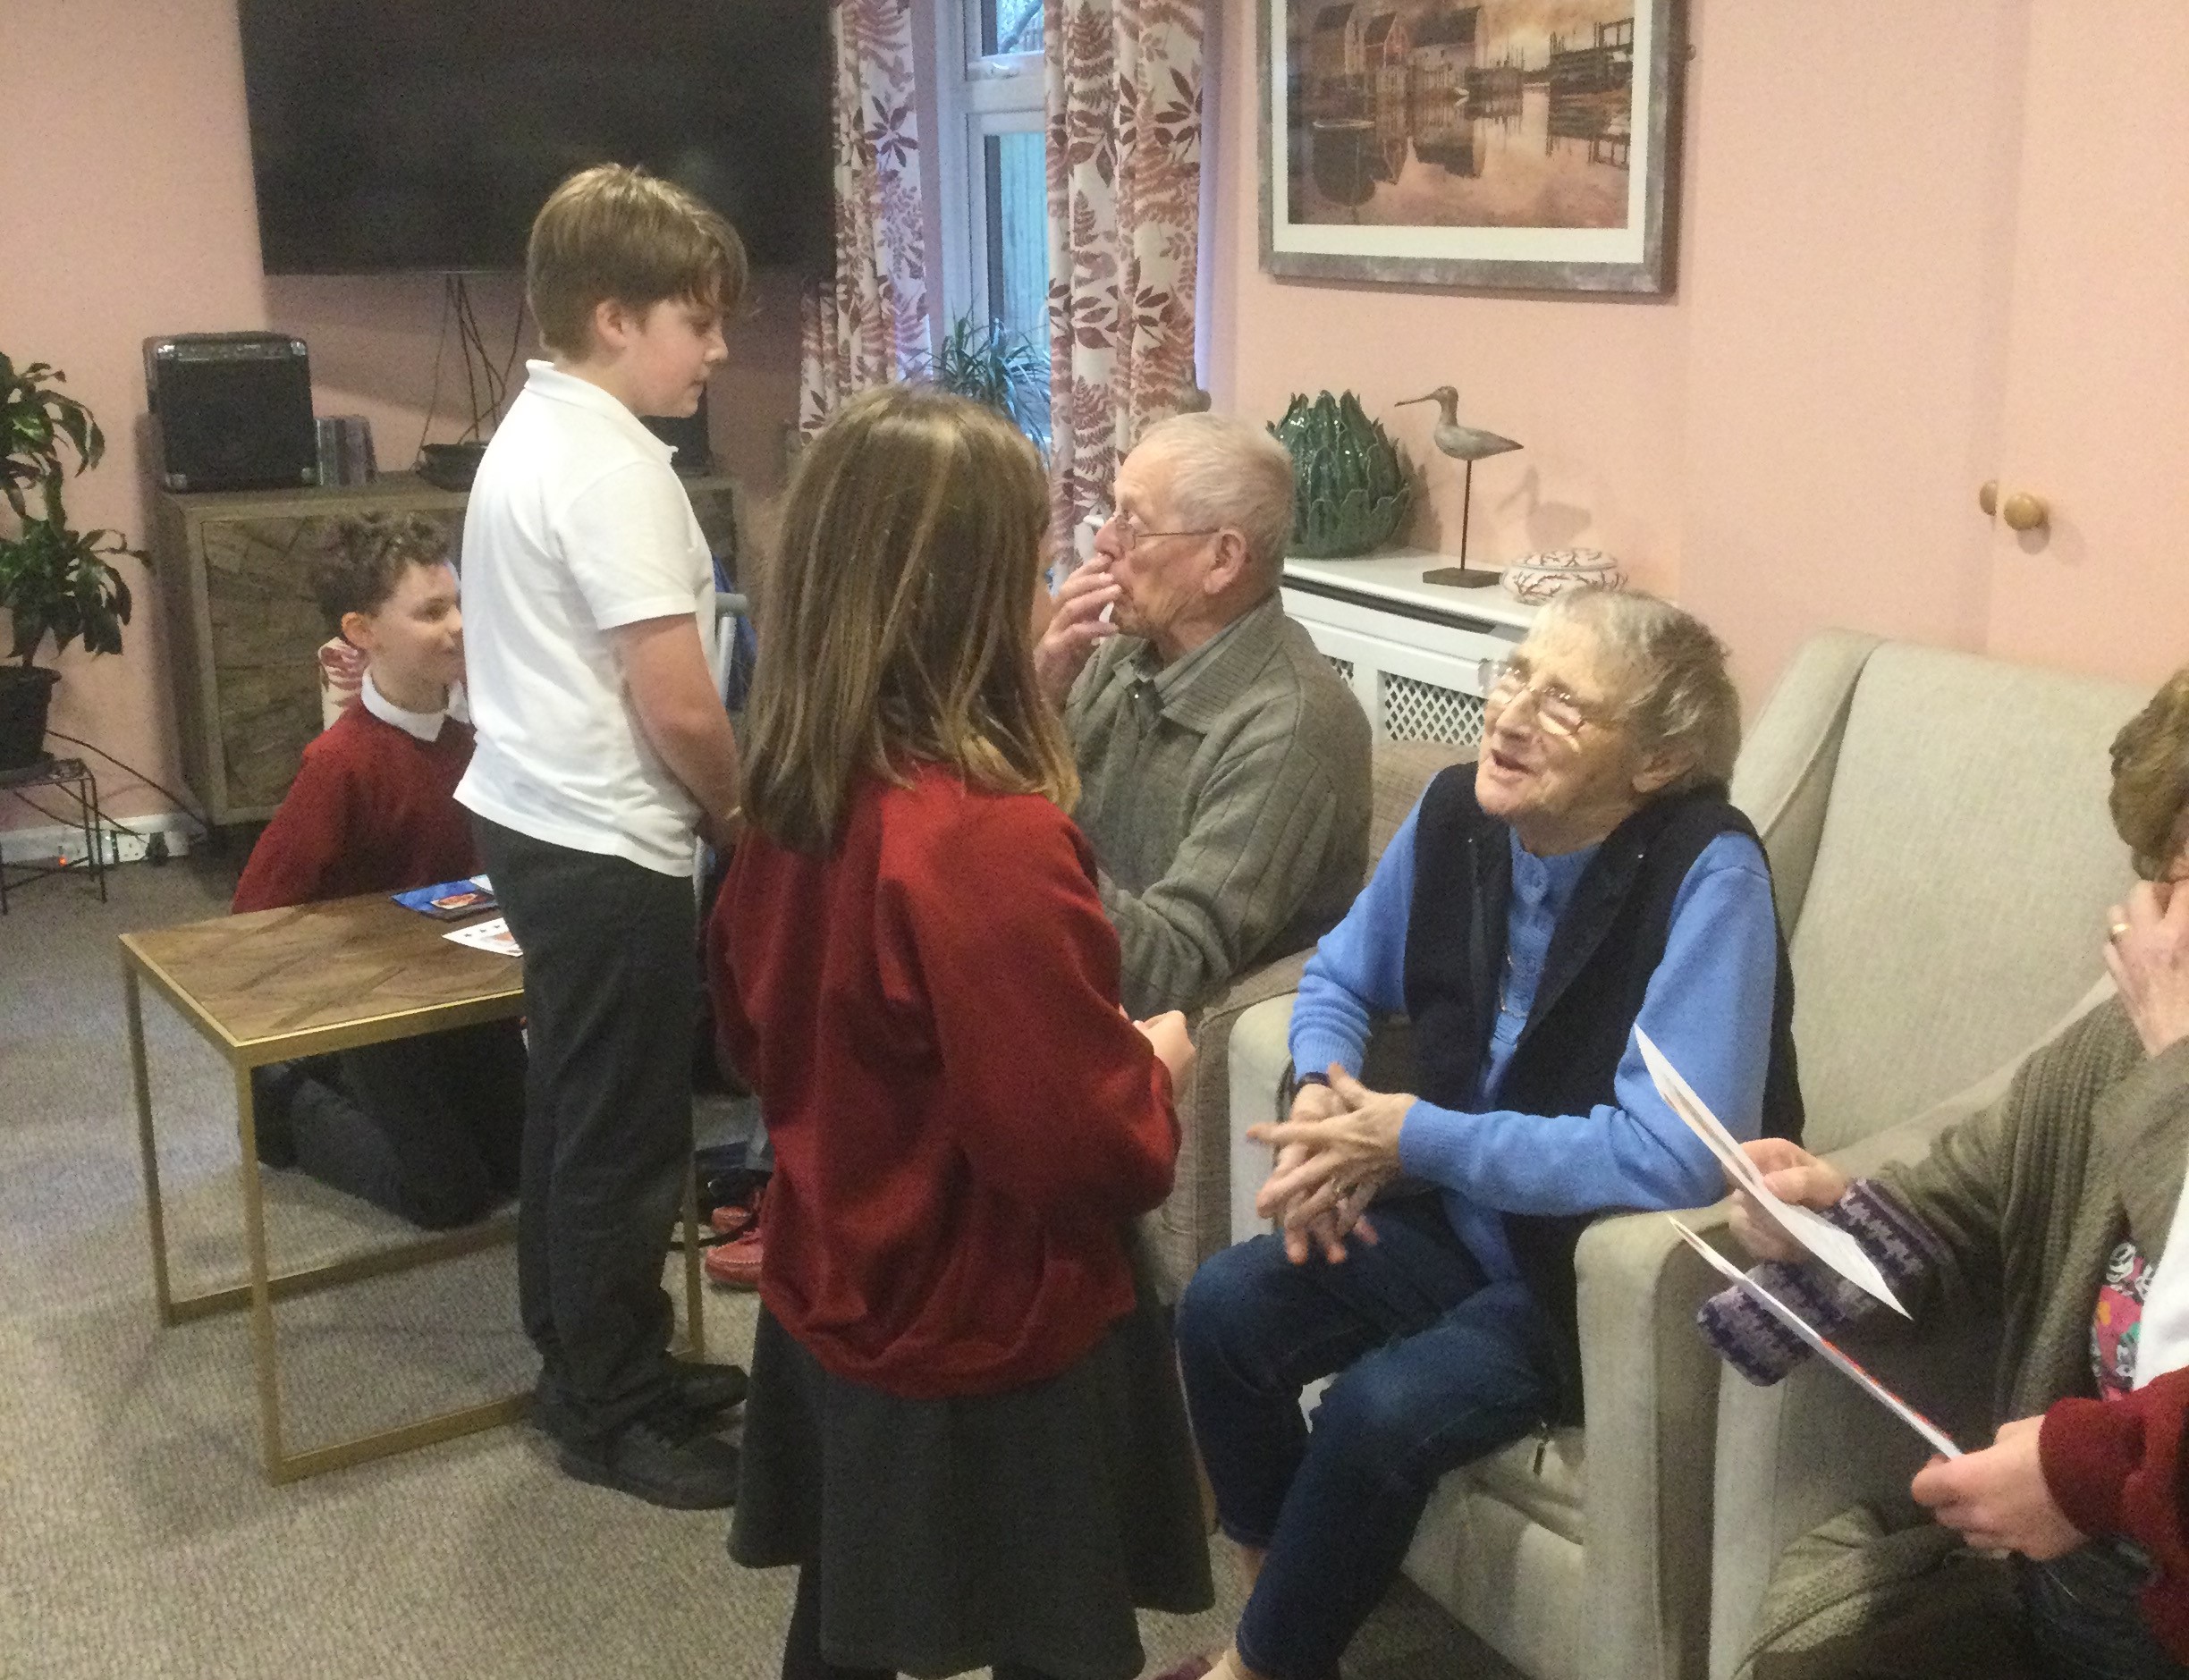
{"x":1952,"y":860}
{"x":1937,"y":830}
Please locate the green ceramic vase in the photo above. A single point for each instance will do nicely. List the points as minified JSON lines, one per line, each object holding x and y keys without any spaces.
{"x":1351,"y":492}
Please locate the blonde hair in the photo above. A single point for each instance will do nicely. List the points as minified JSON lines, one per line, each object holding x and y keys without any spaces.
{"x":613,"y":235}
{"x":2151,"y":778}
{"x":1224,"y":472}
{"x":1676,"y":694}
{"x":896,"y":621}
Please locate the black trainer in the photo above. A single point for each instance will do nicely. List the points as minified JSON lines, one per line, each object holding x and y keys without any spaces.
{"x":698,"y":1395}
{"x":657,"y":1460}
{"x":707,"y":1390}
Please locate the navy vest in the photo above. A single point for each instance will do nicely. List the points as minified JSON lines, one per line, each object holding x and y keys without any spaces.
{"x":1602,"y":954}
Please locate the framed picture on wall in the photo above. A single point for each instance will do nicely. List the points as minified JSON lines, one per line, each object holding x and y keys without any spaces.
{"x":1507,"y":143}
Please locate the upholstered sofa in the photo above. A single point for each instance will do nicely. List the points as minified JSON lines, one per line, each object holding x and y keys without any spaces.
{"x":1937,"y":829}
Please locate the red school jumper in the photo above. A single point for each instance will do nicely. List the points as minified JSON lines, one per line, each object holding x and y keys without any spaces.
{"x":963,"y":1119}
{"x":372,"y":809}
{"x":2115,"y":1467}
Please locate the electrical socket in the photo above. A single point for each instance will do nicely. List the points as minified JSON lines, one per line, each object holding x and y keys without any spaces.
{"x":56,"y":844}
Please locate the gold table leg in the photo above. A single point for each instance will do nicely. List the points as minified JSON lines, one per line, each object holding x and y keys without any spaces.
{"x":263,"y":1288}
{"x":132,"y":1004}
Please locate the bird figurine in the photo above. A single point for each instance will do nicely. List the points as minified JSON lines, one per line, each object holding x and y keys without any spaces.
{"x":1467,"y":443}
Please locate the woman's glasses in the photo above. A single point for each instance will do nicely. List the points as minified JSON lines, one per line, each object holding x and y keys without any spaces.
{"x":1505,"y":684}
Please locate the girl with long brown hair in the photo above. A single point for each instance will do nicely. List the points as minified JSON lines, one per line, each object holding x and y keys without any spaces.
{"x":964,"y":1425}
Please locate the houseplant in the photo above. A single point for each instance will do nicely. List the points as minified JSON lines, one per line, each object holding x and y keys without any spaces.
{"x":54,"y":581}
{"x":1004,"y":370}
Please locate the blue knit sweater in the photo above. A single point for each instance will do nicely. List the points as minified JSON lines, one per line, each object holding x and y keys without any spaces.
{"x":1708,"y":1007}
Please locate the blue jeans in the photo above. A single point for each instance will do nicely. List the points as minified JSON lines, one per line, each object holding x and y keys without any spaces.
{"x":1438,"y":1366}
{"x":2084,"y":1616}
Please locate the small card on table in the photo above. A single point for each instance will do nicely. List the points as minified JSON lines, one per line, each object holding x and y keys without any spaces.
{"x":450,"y":900}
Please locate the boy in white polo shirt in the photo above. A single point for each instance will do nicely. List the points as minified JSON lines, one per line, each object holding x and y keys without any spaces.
{"x":589,"y":604}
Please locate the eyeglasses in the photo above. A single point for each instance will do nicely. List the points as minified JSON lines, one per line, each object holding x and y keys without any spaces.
{"x":1505,"y":684}
{"x":1131,"y":535}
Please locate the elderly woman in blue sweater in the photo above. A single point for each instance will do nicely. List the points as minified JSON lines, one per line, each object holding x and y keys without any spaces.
{"x":1585,"y":875}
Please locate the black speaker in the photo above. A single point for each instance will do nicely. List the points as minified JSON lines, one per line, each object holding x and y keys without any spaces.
{"x":688,"y":435}
{"x":233,"y":409}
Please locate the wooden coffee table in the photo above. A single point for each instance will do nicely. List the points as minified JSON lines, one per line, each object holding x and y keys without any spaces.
{"x":278,"y":984}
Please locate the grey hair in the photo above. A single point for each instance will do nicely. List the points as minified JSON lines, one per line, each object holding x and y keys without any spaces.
{"x":1676,"y":695}
{"x":1225,"y":472}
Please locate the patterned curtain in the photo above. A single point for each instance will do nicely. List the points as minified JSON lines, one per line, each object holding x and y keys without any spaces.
{"x":869,"y":325}
{"x":1124,"y":103}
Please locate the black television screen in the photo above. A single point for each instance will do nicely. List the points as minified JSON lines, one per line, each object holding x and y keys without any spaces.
{"x":425,"y":134}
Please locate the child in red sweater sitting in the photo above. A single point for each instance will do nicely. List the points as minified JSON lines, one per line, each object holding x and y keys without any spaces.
{"x":964,"y":1425}
{"x":427,"y":1129}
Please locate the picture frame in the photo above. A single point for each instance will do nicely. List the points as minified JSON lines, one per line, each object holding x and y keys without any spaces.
{"x":1507,"y":144}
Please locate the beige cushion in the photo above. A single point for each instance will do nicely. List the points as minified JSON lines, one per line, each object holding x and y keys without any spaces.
{"x":1968,"y":805}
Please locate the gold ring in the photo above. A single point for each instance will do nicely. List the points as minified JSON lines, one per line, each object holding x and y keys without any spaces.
{"x":2116,"y":930}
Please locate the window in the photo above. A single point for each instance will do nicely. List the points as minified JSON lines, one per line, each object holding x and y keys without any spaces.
{"x":993,"y":189}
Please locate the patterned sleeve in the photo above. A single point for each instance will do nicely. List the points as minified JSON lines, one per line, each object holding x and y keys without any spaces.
{"x":1762,"y":1349}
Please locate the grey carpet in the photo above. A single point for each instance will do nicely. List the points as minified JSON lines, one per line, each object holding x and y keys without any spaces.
{"x":137,"y":1535}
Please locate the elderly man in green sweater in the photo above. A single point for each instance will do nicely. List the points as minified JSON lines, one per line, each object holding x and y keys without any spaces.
{"x":1223,"y":764}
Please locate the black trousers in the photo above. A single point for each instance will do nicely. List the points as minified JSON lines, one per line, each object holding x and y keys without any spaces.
{"x":429,"y":1128}
{"x":612,"y":997}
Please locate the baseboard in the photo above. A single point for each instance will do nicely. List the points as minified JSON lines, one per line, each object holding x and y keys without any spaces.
{"x":54,"y":842}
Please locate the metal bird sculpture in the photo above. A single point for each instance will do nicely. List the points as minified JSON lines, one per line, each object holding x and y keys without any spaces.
{"x":1469,"y":444}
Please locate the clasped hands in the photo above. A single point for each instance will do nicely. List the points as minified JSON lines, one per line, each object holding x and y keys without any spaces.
{"x":1336,"y":1150}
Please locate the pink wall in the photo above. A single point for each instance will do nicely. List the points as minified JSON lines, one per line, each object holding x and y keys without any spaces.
{"x":128,"y":212}
{"x":1795,"y":437}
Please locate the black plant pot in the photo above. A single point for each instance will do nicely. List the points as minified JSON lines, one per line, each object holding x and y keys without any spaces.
{"x":25,"y":694}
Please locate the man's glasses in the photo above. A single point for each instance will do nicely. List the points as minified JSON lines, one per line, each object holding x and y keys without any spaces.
{"x":1505,"y":684}
{"x":1131,"y":534}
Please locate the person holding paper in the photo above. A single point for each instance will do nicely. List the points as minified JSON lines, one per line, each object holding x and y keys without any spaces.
{"x":1587,"y":876}
{"x":2059,"y":1208}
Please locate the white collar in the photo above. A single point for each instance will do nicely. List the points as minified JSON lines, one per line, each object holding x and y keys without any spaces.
{"x":424,"y":726}
{"x":552,"y":383}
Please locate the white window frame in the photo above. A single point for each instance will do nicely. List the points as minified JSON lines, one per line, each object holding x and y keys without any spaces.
{"x":975,"y":96}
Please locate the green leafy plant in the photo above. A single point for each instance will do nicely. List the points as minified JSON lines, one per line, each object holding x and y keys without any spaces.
{"x":55,"y":581}
{"x":1006,"y":371}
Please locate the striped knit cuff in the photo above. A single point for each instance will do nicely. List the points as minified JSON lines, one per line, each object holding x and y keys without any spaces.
{"x":1755,"y":1344}
{"x":1744,"y":1335}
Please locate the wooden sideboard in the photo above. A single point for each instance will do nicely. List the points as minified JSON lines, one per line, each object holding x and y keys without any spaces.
{"x":244,"y":630}
{"x":1412,"y":650}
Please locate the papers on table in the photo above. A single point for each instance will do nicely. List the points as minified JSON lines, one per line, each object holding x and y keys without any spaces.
{"x":1835,"y":1247}
{"x":491,"y":934}
{"x":1839,"y":1361}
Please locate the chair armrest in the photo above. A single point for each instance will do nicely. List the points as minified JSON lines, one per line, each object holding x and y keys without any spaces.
{"x":1195,"y":1219}
{"x":1649,"y":1391}
{"x":1259,"y":1055}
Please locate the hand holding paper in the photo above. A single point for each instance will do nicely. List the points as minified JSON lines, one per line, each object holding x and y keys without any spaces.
{"x":1801,"y":1327}
{"x":1817,"y":1235}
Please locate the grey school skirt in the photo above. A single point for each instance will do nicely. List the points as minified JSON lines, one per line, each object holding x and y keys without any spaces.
{"x":1020,"y":1527}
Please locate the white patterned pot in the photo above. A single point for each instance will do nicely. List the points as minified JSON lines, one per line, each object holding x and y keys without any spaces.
{"x":1555,"y":570}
